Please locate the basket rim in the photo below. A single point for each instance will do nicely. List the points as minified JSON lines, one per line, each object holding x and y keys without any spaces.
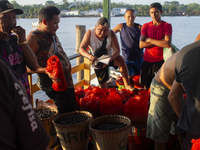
{"x":110,"y":131}
{"x":90,"y":117}
{"x":49,"y":118}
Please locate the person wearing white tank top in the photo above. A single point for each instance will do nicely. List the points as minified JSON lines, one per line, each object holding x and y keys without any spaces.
{"x":94,"y":38}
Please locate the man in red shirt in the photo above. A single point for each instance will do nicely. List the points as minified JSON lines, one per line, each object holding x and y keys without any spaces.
{"x":155,"y":35}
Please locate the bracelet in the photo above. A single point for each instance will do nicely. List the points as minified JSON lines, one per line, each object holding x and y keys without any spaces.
{"x":22,"y":43}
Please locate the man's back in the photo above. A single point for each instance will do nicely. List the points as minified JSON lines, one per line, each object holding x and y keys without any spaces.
{"x":166,"y":73}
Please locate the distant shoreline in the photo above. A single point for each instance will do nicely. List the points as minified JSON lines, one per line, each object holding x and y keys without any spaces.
{"x":118,"y":16}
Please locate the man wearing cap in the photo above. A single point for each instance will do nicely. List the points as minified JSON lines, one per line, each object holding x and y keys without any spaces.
{"x":20,"y":127}
{"x":13,"y":44}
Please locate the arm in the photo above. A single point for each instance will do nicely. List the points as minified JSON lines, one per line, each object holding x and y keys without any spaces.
{"x":166,"y":42}
{"x":31,"y":60}
{"x":34,"y":46}
{"x":118,"y":28}
{"x":198,"y":37}
{"x":83,"y":46}
{"x":143,"y":43}
{"x":174,"y":97}
{"x":115,"y":46}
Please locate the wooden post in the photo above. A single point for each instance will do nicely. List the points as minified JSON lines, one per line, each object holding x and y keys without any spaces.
{"x":80,"y":31}
{"x":107,"y":10}
{"x":87,"y":77}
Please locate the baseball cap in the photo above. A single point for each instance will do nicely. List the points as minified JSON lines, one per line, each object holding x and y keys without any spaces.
{"x":6,"y":6}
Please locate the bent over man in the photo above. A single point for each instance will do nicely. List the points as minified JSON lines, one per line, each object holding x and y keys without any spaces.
{"x":94,"y":38}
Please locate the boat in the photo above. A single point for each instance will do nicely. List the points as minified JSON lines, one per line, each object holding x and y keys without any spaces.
{"x":35,"y":24}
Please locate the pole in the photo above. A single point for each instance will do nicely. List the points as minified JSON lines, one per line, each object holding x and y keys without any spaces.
{"x":107,"y":10}
{"x":80,"y":31}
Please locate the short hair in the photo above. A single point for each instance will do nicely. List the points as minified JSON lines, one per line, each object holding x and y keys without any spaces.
{"x":156,"y":5}
{"x":103,"y":21}
{"x":48,"y":12}
{"x":132,"y":10}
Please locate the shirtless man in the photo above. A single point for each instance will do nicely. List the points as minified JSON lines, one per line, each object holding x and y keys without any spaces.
{"x":161,"y":115}
{"x":198,"y":37}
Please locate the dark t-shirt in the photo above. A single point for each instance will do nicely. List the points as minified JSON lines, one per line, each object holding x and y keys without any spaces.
{"x":14,"y":55}
{"x":20,"y":128}
{"x":187,"y":72}
{"x":130,"y":37}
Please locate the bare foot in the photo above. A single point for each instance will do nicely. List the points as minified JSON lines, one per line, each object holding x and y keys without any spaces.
{"x":128,"y":87}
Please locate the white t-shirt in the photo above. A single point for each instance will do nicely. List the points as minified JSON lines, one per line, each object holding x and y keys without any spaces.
{"x":95,"y":43}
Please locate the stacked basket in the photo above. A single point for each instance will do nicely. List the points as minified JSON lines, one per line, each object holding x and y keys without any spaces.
{"x":73,"y":136}
{"x":110,"y":139}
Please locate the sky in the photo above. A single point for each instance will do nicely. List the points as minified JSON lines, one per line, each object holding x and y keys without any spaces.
{"x":143,"y":2}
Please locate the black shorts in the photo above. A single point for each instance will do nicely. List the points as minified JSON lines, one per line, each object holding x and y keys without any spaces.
{"x":103,"y":74}
{"x":148,"y":71}
{"x":65,"y":101}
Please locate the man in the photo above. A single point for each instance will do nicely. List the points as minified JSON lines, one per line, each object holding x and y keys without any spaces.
{"x":161,"y":116}
{"x":94,"y":38}
{"x":155,"y":35}
{"x":20,"y":128}
{"x":130,"y":36}
{"x":187,"y":79}
{"x":44,"y":43}
{"x":198,"y":37}
{"x":13,"y":44}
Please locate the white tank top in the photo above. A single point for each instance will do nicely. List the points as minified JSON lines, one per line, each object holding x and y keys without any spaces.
{"x":95,"y":43}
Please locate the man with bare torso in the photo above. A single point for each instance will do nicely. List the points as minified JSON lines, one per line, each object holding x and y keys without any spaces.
{"x":161,"y":115}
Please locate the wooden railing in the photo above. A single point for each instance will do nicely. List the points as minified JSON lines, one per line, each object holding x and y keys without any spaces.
{"x":85,"y":82}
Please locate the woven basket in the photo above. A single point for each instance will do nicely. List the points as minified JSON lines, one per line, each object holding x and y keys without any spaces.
{"x":76,"y":136}
{"x":112,"y":139}
{"x":49,"y":126}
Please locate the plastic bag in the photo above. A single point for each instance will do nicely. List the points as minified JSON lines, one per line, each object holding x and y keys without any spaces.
{"x":136,"y":108}
{"x":97,"y":91}
{"x":79,"y":92}
{"x":91,"y":103}
{"x":136,"y":82}
{"x":127,"y":94}
{"x":168,"y":52}
{"x":54,"y":67}
{"x":111,"y":104}
{"x":196,"y":144}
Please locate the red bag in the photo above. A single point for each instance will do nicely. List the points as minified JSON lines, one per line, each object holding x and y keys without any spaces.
{"x":79,"y":92}
{"x":111,"y":104}
{"x":97,"y":91}
{"x":196,"y":144}
{"x":127,"y":94}
{"x":136,"y":82}
{"x":90,"y":103}
{"x":136,"y":108}
{"x":54,"y":67}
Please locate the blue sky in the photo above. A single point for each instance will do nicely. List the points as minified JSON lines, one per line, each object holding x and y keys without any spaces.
{"x":143,"y":2}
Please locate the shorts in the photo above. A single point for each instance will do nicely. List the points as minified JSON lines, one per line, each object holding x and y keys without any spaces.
{"x":65,"y":101}
{"x":148,"y":71}
{"x":162,"y":119}
{"x":103,"y":74}
{"x":134,"y":67}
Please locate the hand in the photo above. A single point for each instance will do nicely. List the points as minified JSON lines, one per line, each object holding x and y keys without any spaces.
{"x":20,"y":32}
{"x":148,"y":40}
{"x":54,"y":79}
{"x":92,"y":58}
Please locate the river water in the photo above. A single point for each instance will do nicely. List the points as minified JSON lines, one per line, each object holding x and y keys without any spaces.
{"x":185,"y":30}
